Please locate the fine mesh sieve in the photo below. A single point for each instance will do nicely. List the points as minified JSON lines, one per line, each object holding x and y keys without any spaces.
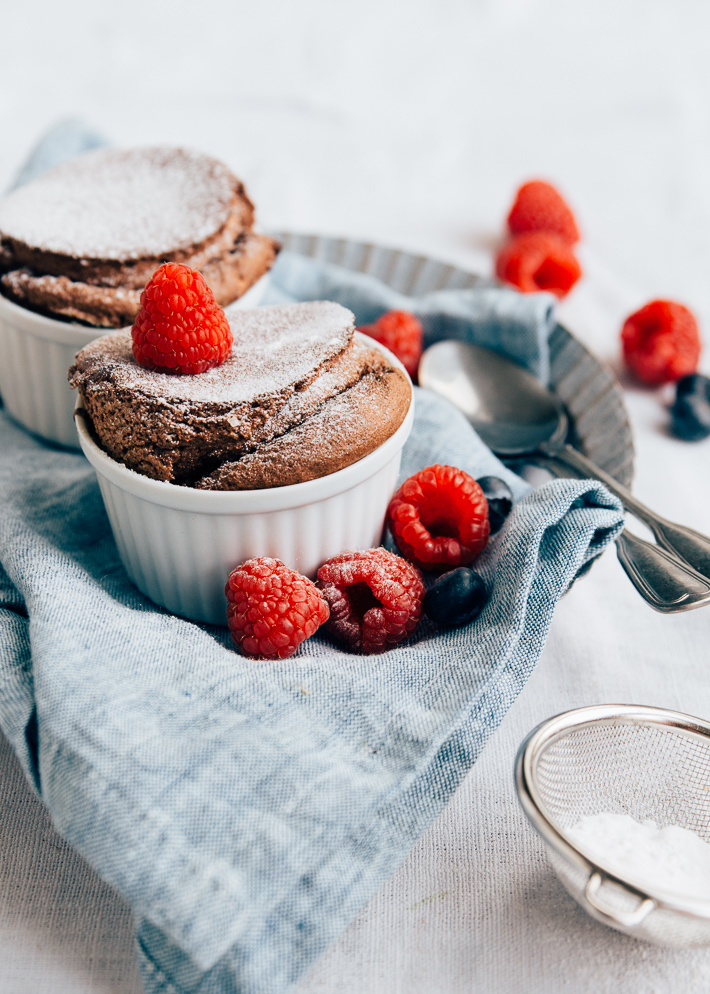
{"x":645,"y":762}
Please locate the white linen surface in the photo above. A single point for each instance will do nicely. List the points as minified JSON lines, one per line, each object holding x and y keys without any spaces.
{"x":411,"y":123}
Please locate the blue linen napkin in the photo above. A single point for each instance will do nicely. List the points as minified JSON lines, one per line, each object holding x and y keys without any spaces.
{"x":64,"y":141}
{"x":517,"y":325}
{"x":247,"y":810}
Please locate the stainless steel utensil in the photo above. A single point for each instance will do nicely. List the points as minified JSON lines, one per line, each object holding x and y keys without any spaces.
{"x":663,"y":580}
{"x":515,"y":415}
{"x":641,"y":761}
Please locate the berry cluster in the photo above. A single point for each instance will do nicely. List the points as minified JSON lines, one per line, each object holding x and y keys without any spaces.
{"x":372,"y":600}
{"x":539,"y":254}
{"x":442,"y":517}
{"x":660,"y":342}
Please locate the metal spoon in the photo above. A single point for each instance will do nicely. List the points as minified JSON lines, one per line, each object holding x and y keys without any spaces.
{"x":663,"y":580}
{"x":515,"y":414}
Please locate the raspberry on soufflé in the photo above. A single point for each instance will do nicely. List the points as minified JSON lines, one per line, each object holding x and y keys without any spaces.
{"x":539,"y":206}
{"x":401,"y":333}
{"x":180,"y":328}
{"x":375,"y":598}
{"x":661,"y":342}
{"x":538,"y":260}
{"x":439,"y":518}
{"x":272,"y":608}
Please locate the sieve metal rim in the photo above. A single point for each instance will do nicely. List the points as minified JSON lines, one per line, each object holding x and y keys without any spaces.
{"x":556,"y":727}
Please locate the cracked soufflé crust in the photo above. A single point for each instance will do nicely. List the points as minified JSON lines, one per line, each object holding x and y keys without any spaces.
{"x":81,"y":241}
{"x":298,"y":398}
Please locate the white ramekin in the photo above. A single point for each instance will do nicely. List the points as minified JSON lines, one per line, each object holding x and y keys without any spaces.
{"x":179,"y":545}
{"x":35,"y":355}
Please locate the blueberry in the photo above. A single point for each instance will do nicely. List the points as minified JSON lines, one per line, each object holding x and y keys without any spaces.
{"x":500,"y":500}
{"x":695,"y":383}
{"x":456,"y":598}
{"x":690,"y":413}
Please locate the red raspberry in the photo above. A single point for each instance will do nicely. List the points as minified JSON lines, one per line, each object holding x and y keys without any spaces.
{"x":538,"y":260}
{"x":538,"y":206}
{"x":180,"y":328}
{"x":375,"y":598}
{"x":439,"y":518}
{"x":661,"y":342}
{"x":401,"y":333}
{"x":272,"y":609}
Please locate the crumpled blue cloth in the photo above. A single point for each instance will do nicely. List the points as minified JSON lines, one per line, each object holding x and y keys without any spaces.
{"x":517,"y":325}
{"x":247,"y":810}
{"x":65,"y":140}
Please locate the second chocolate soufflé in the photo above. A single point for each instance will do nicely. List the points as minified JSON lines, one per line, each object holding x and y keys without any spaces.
{"x":80,"y":242}
{"x":298,"y":398}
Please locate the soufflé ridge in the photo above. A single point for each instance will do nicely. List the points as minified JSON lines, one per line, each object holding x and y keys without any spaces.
{"x":80,"y":242}
{"x":299,"y":397}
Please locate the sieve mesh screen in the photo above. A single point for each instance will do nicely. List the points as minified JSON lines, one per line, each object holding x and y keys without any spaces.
{"x":627,"y":767}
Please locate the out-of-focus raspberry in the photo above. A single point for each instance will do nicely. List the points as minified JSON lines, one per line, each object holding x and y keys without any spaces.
{"x":538,"y":206}
{"x":401,"y":333}
{"x":538,"y":260}
{"x":661,"y":342}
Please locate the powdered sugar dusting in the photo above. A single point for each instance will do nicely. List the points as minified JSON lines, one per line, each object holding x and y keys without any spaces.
{"x":329,"y":425}
{"x":672,"y":858}
{"x":274,"y":348}
{"x":122,"y":204}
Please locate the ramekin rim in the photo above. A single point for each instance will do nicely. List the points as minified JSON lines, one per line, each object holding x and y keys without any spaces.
{"x":189,"y":499}
{"x":240,"y":501}
{"x":41,"y":326}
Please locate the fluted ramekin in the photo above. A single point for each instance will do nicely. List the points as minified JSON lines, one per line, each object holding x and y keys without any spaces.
{"x":35,"y":355}
{"x":179,"y":544}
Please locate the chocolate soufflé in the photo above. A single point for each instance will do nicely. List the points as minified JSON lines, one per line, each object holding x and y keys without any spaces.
{"x":298,"y":398}
{"x":81,"y":241}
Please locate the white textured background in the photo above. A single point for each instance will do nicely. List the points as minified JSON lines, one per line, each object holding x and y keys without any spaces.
{"x":412,"y":123}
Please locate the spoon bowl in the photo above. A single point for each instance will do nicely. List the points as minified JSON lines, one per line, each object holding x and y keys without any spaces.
{"x":516,"y":415}
{"x":511,"y":410}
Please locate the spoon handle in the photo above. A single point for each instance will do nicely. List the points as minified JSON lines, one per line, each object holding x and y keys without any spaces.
{"x":690,"y":545}
{"x":666,"y":583}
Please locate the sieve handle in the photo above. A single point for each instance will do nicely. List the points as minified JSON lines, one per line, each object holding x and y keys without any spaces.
{"x":616,"y":918}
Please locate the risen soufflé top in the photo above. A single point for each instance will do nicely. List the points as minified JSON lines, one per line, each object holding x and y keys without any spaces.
{"x":299,"y":397}
{"x":80,"y":241}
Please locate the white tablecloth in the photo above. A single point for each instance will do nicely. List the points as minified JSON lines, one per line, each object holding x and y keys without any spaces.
{"x":412,"y":123}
